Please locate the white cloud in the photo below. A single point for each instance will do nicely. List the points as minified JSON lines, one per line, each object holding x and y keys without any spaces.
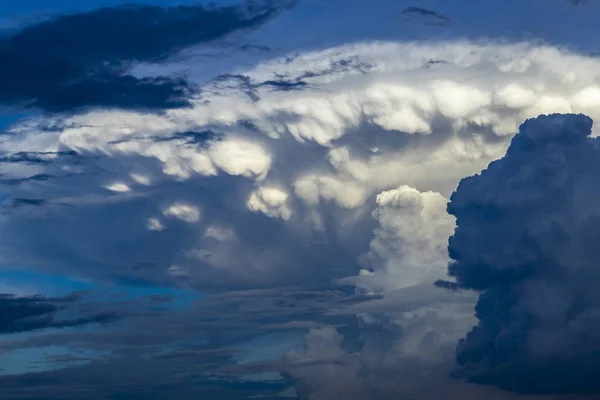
{"x":154,"y":224}
{"x":141,"y":179}
{"x":345,"y":193}
{"x":315,"y":160}
{"x":240,"y":157}
{"x":184,"y":212}
{"x":271,"y":202}
{"x":178,"y":271}
{"x":409,"y":244}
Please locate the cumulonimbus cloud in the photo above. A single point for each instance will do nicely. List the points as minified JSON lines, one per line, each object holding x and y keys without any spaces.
{"x":326,"y":166}
{"x":291,"y":175}
{"x":526,"y":235}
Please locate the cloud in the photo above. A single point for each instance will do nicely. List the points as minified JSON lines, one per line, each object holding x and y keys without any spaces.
{"x":409,"y":244}
{"x":86,"y":56}
{"x":159,"y":349}
{"x":316,"y":207}
{"x":525,"y":240}
{"x":25,"y":314}
{"x":375,"y":117}
{"x":183,"y":212}
{"x":425,"y":16}
{"x":398,"y":355}
{"x":270,"y":201}
{"x":117,"y":187}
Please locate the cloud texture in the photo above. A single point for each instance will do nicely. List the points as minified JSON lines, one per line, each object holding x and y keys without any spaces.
{"x":304,"y":196}
{"x":526,"y":228}
{"x":251,"y":191}
{"x":83,"y":60}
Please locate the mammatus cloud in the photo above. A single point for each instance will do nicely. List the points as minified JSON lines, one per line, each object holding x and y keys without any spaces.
{"x":526,"y":235}
{"x":87,"y":56}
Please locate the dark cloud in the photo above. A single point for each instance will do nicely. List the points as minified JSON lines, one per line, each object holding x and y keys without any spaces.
{"x":24,"y":314}
{"x":175,"y":353}
{"x":18,"y":181}
{"x":425,"y":16}
{"x":527,"y":240}
{"x":81,"y":60}
{"x":31,"y":157}
{"x":135,"y":377}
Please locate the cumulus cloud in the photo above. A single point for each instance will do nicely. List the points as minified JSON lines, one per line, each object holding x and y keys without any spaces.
{"x":525,"y":240}
{"x":409,"y":244}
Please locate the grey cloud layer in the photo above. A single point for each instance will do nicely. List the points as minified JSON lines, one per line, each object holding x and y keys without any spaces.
{"x":82,"y":60}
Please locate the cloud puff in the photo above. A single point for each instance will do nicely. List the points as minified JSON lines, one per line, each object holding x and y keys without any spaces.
{"x":184,"y":212}
{"x":425,"y":16}
{"x":270,"y":201}
{"x":525,"y":240}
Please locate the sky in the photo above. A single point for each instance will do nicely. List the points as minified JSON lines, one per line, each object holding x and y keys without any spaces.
{"x":299,"y":199}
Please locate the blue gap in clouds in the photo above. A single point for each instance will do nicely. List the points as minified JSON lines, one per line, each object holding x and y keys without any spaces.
{"x":29,"y":282}
{"x":38,"y":283}
{"x":7,"y":119}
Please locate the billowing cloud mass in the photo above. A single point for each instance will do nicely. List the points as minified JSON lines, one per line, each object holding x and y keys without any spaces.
{"x":270,"y":223}
{"x":526,"y":235}
{"x":287,"y":178}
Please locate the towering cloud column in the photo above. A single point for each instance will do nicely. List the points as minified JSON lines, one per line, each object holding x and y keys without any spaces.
{"x":528,"y":240}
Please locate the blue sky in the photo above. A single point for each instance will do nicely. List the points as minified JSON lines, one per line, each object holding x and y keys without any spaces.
{"x":311,"y":199}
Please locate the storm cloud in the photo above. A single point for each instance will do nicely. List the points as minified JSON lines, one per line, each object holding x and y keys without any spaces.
{"x":526,"y":239}
{"x":267,"y":208}
{"x":82,"y":60}
{"x":24,"y":314}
